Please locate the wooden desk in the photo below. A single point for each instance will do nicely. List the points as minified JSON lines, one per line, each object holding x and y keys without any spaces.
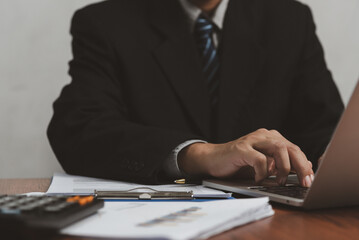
{"x":287,"y":223}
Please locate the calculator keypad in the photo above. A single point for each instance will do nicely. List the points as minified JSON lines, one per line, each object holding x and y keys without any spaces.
{"x":21,"y":215}
{"x":18,"y":204}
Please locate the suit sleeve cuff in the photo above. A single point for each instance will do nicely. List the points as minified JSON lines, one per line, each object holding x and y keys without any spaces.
{"x":171,"y":165}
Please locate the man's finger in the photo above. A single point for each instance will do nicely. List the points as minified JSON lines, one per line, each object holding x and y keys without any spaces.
{"x":299,"y":162}
{"x":272,"y":171}
{"x":278,"y":150}
{"x":258,"y":161}
{"x":302,"y":166}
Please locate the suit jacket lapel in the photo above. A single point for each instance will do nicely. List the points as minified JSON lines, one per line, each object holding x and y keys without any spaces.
{"x":241,"y":61}
{"x":178,"y":57}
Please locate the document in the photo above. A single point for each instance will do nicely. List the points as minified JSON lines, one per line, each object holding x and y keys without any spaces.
{"x":170,"y":220}
{"x":76,"y":185}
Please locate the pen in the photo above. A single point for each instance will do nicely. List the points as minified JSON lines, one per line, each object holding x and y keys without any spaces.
{"x":180,"y":181}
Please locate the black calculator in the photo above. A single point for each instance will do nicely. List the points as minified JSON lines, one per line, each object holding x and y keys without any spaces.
{"x":40,"y":217}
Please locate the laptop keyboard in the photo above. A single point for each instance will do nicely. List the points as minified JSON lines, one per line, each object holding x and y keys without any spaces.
{"x":289,"y":191}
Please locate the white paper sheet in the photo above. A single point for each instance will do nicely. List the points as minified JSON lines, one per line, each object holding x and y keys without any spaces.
{"x":68,"y":184}
{"x":170,"y":220}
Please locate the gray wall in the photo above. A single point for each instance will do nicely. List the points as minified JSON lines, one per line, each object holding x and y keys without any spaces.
{"x":35,"y":49}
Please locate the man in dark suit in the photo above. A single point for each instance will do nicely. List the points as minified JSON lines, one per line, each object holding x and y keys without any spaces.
{"x":163,"y":89}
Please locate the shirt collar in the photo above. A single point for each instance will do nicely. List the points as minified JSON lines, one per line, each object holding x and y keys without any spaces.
{"x":193,"y":12}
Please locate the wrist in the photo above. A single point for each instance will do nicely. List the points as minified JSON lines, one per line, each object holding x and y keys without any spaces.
{"x":193,"y":159}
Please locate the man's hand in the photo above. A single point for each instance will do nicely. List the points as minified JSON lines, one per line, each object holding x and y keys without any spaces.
{"x":267,"y":152}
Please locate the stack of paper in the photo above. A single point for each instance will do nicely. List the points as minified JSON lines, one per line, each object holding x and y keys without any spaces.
{"x":75,"y":185}
{"x":170,"y":220}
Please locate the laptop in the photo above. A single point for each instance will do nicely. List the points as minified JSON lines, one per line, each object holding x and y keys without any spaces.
{"x":336,"y":182}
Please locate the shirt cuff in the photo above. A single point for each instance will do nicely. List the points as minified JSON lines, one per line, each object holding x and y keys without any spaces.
{"x":171,"y":165}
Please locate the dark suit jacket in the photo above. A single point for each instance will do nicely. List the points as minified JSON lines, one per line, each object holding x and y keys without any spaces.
{"x":137,"y":90}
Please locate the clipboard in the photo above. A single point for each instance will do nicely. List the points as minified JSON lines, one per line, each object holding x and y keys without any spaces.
{"x":144,"y":195}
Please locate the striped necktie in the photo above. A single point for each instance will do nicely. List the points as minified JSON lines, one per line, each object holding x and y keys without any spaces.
{"x":203,"y":32}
